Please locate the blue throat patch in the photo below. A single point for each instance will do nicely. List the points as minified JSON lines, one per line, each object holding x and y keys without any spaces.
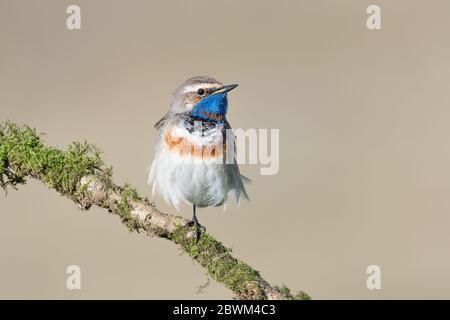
{"x":213,"y":107}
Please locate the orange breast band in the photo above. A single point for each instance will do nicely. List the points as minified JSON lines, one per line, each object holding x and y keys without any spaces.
{"x":184,"y":147}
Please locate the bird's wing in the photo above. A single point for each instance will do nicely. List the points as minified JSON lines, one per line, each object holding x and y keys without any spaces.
{"x":237,"y":179}
{"x":161,"y":121}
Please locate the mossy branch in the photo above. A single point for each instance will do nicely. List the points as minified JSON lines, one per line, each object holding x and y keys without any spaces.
{"x":80,"y":174}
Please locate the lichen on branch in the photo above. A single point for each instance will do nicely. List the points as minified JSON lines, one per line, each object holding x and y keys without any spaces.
{"x":80,"y":174}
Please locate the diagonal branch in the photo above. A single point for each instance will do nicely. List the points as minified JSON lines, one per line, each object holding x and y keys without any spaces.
{"x":80,"y":174}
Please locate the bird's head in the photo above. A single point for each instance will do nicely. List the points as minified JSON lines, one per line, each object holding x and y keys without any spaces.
{"x":202,"y":97}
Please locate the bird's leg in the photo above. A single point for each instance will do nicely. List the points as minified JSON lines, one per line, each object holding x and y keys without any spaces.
{"x":194,"y":222}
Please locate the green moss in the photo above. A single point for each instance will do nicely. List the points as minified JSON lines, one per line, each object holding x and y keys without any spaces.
{"x":216,"y":259}
{"x":124,"y":207}
{"x":222,"y":266}
{"x":288,"y":294}
{"x":22,"y":154}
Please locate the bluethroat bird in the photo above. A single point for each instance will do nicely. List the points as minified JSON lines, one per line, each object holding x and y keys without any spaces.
{"x":194,"y":158}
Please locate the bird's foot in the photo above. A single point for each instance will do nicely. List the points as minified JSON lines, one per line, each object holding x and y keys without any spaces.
{"x":198,"y":228}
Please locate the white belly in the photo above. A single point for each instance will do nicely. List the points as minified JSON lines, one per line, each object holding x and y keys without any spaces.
{"x":202,"y":183}
{"x":179,"y":178}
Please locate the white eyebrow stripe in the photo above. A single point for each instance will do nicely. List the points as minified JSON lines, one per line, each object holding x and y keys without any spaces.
{"x":195,"y":87}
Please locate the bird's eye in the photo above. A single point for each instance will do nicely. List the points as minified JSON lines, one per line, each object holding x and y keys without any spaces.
{"x":201,"y":91}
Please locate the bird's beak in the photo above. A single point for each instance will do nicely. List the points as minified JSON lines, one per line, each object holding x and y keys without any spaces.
{"x":225,"y":89}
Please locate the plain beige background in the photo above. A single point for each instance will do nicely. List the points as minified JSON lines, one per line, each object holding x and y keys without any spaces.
{"x":364,"y":128}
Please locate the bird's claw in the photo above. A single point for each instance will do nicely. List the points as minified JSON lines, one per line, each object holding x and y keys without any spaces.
{"x":198,"y":228}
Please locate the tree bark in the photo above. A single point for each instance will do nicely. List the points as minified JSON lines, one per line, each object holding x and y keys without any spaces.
{"x":80,"y":174}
